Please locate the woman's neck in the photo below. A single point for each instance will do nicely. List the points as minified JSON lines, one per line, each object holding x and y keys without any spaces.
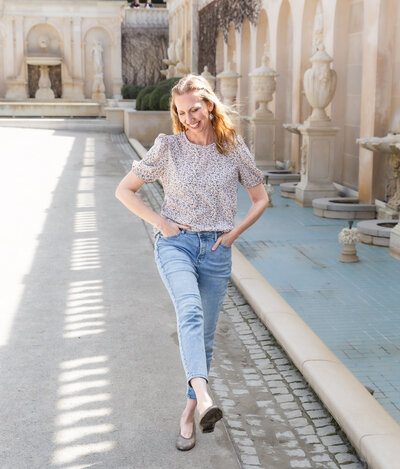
{"x":204,"y":138}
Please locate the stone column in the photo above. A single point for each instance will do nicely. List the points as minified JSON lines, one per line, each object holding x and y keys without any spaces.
{"x":77,"y":71}
{"x":116,"y":58}
{"x":318,"y":134}
{"x":194,"y":48}
{"x":394,"y":244}
{"x":15,"y":80}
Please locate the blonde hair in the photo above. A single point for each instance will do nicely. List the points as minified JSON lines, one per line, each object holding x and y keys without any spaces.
{"x":225,"y":133}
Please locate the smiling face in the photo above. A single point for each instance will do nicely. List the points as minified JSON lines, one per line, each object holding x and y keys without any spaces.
{"x":193,"y":112}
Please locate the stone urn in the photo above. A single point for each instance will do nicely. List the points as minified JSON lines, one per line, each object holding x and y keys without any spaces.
{"x":320,"y":84}
{"x":210,"y":78}
{"x":44,"y":91}
{"x":349,"y":237}
{"x":229,"y":85}
{"x":264,"y":85}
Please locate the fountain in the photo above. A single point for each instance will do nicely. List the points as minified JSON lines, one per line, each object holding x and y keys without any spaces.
{"x":389,"y":145}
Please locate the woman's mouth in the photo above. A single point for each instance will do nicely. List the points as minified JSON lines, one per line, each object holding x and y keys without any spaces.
{"x":194,"y":126}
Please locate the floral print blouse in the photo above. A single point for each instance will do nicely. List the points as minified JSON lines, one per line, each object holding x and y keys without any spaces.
{"x":200,"y":184}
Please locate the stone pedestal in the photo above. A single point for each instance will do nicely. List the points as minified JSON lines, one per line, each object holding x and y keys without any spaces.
{"x":317,"y":157}
{"x":394,"y":244}
{"x":262,"y":140}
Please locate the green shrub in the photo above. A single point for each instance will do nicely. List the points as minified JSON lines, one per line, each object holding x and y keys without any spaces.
{"x":130,"y":91}
{"x":139,"y":99}
{"x":158,"y":96}
{"x":146,"y":102}
{"x":164,"y":102}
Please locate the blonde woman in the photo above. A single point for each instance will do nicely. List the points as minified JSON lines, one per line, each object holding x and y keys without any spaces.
{"x":200,"y":166}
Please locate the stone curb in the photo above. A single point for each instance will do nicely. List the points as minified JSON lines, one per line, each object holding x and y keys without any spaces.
{"x":372,"y":431}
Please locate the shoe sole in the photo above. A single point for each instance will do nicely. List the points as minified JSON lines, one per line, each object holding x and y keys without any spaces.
{"x":209,"y":419}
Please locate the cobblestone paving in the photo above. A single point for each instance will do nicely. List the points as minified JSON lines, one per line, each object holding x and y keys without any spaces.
{"x":271,"y":414}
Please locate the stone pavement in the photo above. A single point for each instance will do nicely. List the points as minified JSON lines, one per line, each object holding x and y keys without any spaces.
{"x":353,"y":308}
{"x":90,"y":367}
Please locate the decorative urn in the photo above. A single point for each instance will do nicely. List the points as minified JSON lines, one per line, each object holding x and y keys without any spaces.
{"x":229,"y":85}
{"x":264,"y":85}
{"x":210,"y":78}
{"x":320,"y":84}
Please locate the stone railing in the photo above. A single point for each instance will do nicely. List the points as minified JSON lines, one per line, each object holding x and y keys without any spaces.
{"x":146,"y":18}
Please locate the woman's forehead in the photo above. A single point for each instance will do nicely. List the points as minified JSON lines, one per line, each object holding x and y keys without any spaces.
{"x":187,"y":100}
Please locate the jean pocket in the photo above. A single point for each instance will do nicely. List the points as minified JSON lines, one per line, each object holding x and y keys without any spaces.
{"x":226,"y":247}
{"x":171,"y":237}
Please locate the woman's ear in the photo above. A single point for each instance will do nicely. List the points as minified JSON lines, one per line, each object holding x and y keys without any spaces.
{"x":210,"y":106}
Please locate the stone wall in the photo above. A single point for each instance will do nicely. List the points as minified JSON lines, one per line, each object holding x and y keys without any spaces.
{"x":143,"y":51}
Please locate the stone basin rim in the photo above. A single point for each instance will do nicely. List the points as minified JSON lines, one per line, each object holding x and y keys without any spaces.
{"x":344,"y":204}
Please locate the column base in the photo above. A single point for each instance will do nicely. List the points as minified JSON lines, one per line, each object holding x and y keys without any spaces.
{"x":394,"y":244}
{"x":305,"y":196}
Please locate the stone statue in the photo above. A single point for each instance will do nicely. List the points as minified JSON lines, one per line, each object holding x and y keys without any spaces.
{"x":97,"y":53}
{"x":98,"y":89}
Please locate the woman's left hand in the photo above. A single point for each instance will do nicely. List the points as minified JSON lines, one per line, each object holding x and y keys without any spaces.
{"x":226,"y":239}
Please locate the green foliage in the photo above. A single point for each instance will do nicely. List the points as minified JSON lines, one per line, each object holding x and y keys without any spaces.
{"x":164,"y":102}
{"x":144,"y":92}
{"x":130,"y":91}
{"x":158,"y":96}
{"x":146,"y":102}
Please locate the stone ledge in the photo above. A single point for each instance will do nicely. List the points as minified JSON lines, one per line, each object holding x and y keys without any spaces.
{"x":372,"y":431}
{"x":343,"y":204}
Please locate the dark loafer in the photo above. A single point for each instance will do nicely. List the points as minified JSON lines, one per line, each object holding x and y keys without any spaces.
{"x":185,"y":444}
{"x":209,"y":418}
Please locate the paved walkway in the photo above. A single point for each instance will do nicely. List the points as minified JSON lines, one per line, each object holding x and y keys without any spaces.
{"x":354,"y":308}
{"x":90,"y":367}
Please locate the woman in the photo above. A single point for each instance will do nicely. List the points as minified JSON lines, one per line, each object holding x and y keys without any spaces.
{"x":199,"y":166}
{"x":148,"y":4}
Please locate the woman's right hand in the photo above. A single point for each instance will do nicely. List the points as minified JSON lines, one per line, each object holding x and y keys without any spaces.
{"x":170,"y":228}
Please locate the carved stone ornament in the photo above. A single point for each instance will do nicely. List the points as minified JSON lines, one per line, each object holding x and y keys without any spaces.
{"x":229,"y":84}
{"x":389,"y":145}
{"x":349,"y":237}
{"x":264,"y":84}
{"x":210,"y":78}
{"x":303,"y":158}
{"x":320,"y":84}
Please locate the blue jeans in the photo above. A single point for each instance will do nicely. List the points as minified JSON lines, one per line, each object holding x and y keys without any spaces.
{"x":196,"y":278}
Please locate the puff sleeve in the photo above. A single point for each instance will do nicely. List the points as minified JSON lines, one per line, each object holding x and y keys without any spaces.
{"x":249,"y":174}
{"x":153,"y":165}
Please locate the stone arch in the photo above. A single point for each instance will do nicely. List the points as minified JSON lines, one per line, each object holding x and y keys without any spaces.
{"x":307,"y":50}
{"x":39,"y":35}
{"x":284,"y":85}
{"x":245,"y":54}
{"x":346,"y":105}
{"x":262,"y":36}
{"x":100,"y":34}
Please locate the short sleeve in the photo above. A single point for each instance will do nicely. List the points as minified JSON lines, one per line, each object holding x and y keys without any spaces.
{"x":153,"y":165}
{"x":249,"y":174}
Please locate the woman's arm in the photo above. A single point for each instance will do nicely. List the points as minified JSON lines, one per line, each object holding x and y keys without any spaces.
{"x":260,"y":201}
{"x":126,"y":193}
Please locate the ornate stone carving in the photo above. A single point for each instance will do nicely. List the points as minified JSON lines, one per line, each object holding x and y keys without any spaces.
{"x":229,"y":84}
{"x":389,"y":145}
{"x":264,"y":84}
{"x":349,"y":237}
{"x":303,"y":157}
{"x":44,"y":91}
{"x":210,"y":78}
{"x":98,"y":89}
{"x":320,"y":79}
